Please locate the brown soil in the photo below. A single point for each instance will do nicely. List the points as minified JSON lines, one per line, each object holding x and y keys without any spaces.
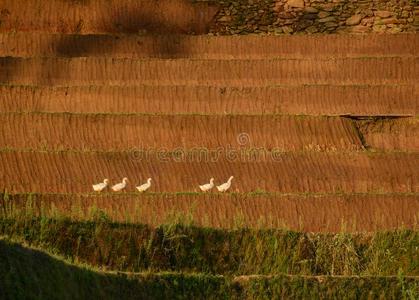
{"x":388,"y":134}
{"x":131,"y":69}
{"x":307,"y":213}
{"x":110,"y":16}
{"x":292,"y":172}
{"x":207,"y":47}
{"x":233,"y":73}
{"x":310,"y":100}
{"x":122,"y":132}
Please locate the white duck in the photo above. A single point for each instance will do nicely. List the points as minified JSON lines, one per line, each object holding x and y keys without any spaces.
{"x":145,"y":186}
{"x":120,"y":186}
{"x":100,"y":186}
{"x":207,"y":186}
{"x":225,"y":186}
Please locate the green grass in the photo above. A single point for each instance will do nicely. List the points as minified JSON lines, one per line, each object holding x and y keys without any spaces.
{"x":32,"y":274}
{"x":283,"y":287}
{"x":27,"y":273}
{"x":176,"y":247}
{"x":88,"y":206}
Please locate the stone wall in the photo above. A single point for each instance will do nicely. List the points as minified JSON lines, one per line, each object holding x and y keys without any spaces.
{"x":315,"y":16}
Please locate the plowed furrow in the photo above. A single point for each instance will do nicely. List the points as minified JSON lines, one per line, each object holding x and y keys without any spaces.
{"x":125,"y":72}
{"x":110,"y":16}
{"x":310,"y":100}
{"x":123,"y":132}
{"x":292,"y":172}
{"x":206,"y":47}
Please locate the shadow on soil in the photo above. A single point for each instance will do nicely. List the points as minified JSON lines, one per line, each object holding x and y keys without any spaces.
{"x":167,"y":38}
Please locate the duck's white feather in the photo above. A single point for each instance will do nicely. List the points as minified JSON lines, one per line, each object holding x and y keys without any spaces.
{"x":120,"y":186}
{"x":100,"y":186}
{"x":225,"y":186}
{"x":145,"y":186}
{"x":207,"y":186}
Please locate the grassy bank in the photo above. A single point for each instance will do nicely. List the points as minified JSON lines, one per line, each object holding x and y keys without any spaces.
{"x":26,"y":273}
{"x":30,"y":274}
{"x":129,"y":247}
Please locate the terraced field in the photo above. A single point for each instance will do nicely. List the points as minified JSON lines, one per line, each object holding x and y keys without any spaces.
{"x":304,"y":172}
{"x":358,"y":100}
{"x":102,"y":132}
{"x":301,"y":138}
{"x":309,"y":213}
{"x":321,"y":134}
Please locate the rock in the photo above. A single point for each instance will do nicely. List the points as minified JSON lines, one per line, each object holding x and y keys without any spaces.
{"x":327,"y":19}
{"x":367,"y":12}
{"x":360,"y":29}
{"x":354,"y":20}
{"x":278,"y":7}
{"x":329,"y":7}
{"x":287,"y":29}
{"x":379,"y":28}
{"x":395,"y":30}
{"x":389,"y":21}
{"x":311,"y":29}
{"x":225,"y":19}
{"x":323,"y":14}
{"x":378,"y":22}
{"x":382,"y":14}
{"x":311,"y":10}
{"x":286,"y":15}
{"x":405,"y":14}
{"x":300,"y":26}
{"x":296,"y":3}
{"x":278,"y":31}
{"x":330,"y":29}
{"x":309,"y":16}
{"x":331,"y":24}
{"x":367,"y":21}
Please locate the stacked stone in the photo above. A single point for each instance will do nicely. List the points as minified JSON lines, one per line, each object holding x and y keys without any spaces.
{"x":316,"y":16}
